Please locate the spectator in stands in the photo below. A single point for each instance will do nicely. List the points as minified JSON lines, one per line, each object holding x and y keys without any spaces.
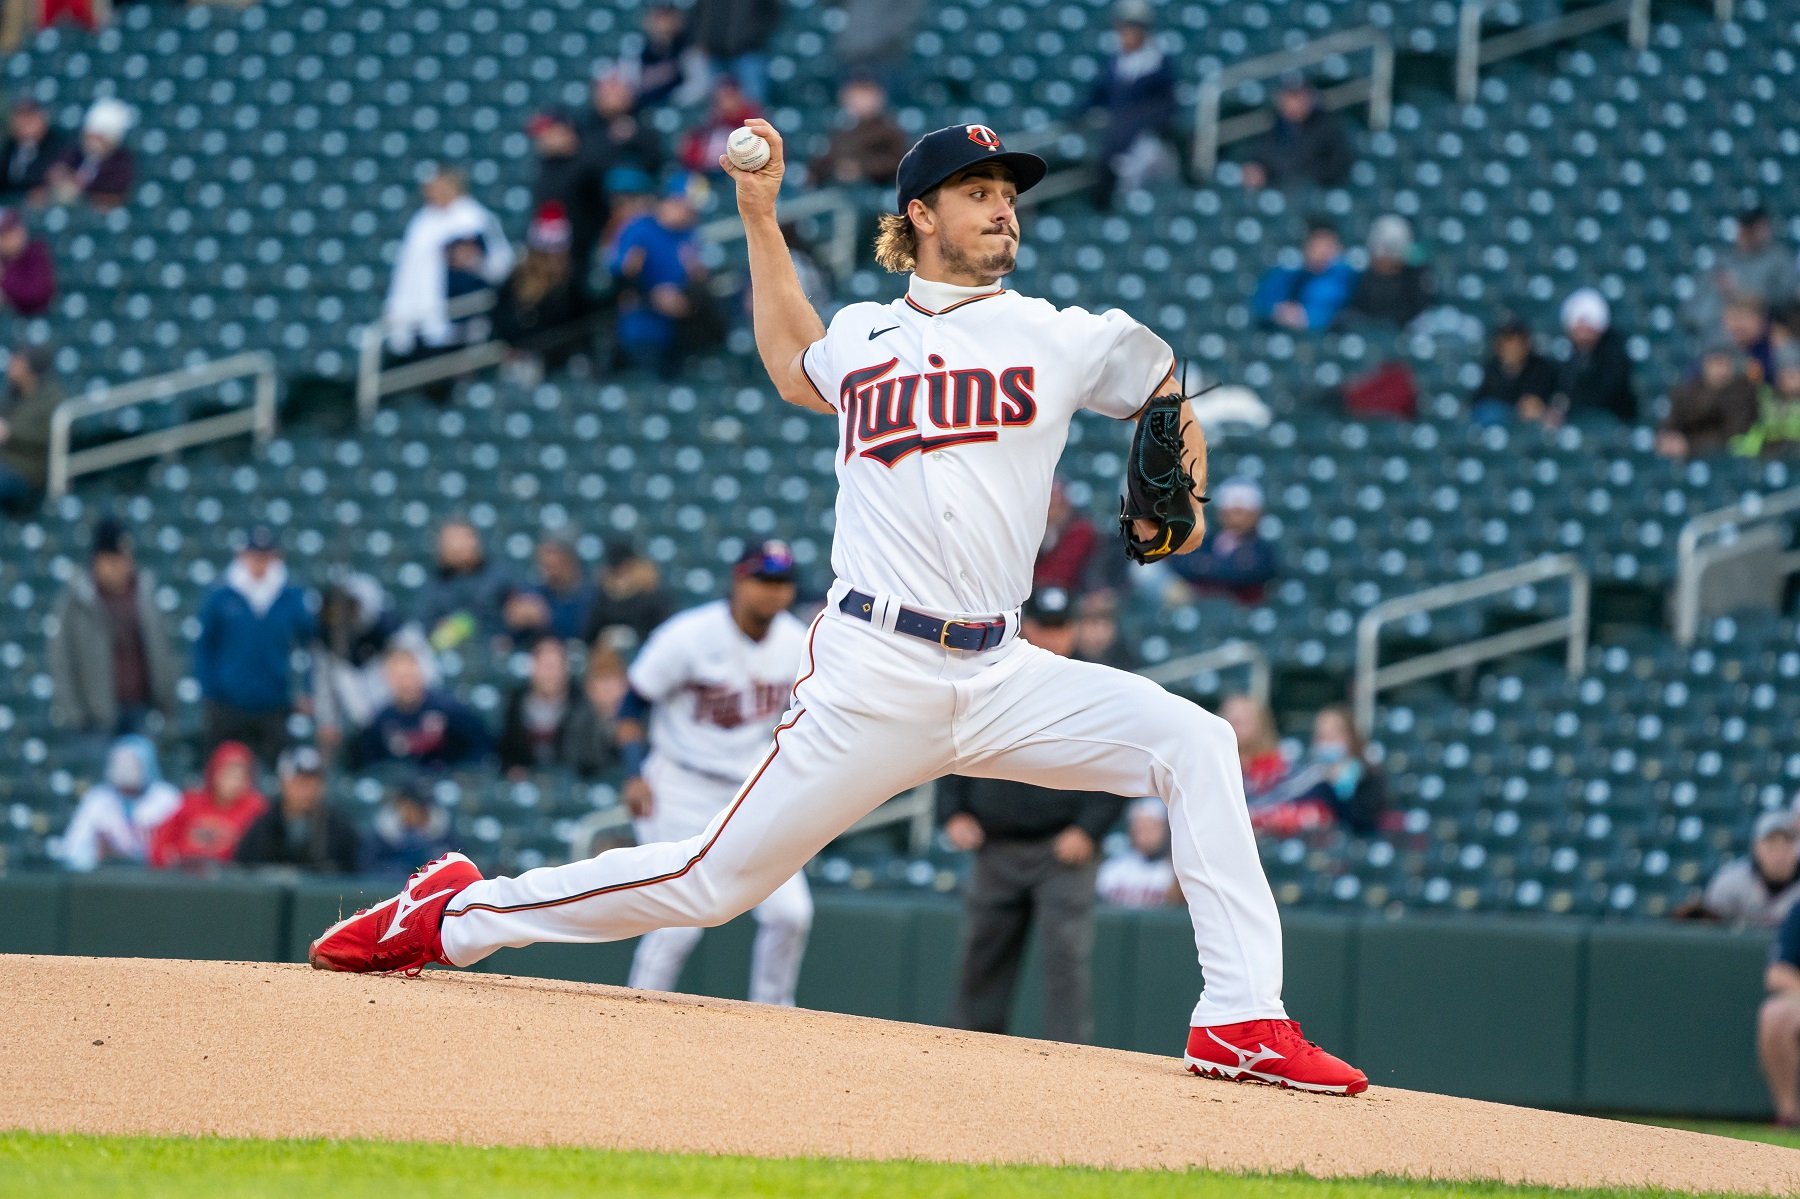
{"x":1068,"y":546}
{"x":1034,"y":863}
{"x":664,"y":56}
{"x":1595,"y":379}
{"x":705,"y":143}
{"x":1709,"y":410}
{"x":1141,"y":874}
{"x":1307,"y":296}
{"x":557,"y":603}
{"x":97,"y":168}
{"x":1778,"y":1022}
{"x":1396,"y":287}
{"x":867,"y":145}
{"x":1234,"y":560}
{"x":408,"y":831}
{"x":418,"y":296}
{"x":1136,"y":93}
{"x":27,"y":274}
{"x":1334,"y":786}
{"x":1747,"y":326}
{"x":110,"y":657}
{"x":657,"y":265}
{"x":465,"y":593}
{"x":118,"y":815}
{"x":1777,"y":427}
{"x":616,"y":139}
{"x":357,"y":631}
{"x":1759,"y":889}
{"x":421,"y":725}
{"x":572,"y":178}
{"x":631,"y":596}
{"x":733,"y":34}
{"x":1265,"y":766}
{"x":1517,"y":382}
{"x":550,"y":723}
{"x":213,"y":817}
{"x":249,"y":623}
{"x":1097,"y":632}
{"x":30,"y":149}
{"x":302,"y":831}
{"x":543,"y":312}
{"x":1755,"y":266}
{"x":1306,"y":147}
{"x":31,"y":397}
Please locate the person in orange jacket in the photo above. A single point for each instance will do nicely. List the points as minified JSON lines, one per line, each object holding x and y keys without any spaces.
{"x":212,"y":817}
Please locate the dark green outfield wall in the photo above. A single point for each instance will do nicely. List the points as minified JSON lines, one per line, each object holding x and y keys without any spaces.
{"x":1630,"y":1018}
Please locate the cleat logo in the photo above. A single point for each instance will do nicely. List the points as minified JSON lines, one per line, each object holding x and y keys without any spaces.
{"x":405,"y":906}
{"x":1245,"y":1059}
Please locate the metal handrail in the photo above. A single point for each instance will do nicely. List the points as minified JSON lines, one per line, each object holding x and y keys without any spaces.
{"x":1371,"y":677}
{"x":1237,"y":652}
{"x":1692,"y":560}
{"x":839,"y":250}
{"x":1376,"y":88}
{"x":373,"y":383}
{"x":1474,"y":52}
{"x":258,"y":419}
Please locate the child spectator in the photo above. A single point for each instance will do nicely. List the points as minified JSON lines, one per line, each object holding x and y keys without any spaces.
{"x":407,"y":832}
{"x":421,"y":726}
{"x":118,"y":815}
{"x":111,"y":660}
{"x":27,"y":274}
{"x":1234,"y":560}
{"x":213,"y":817}
{"x":302,"y":831}
{"x":97,"y":168}
{"x":1517,"y":382}
{"x":1746,"y":325}
{"x":1595,"y":379}
{"x":1708,"y":411}
{"x":1309,"y":296}
{"x":248,"y":625}
{"x":30,"y":149}
{"x":1141,"y":875}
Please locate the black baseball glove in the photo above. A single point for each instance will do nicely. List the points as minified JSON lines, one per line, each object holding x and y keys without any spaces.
{"x":1159,"y":486}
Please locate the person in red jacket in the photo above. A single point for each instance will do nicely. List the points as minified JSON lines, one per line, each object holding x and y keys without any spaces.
{"x":27,"y":274}
{"x":1068,"y":547}
{"x":701,"y":148}
{"x":212,"y":818}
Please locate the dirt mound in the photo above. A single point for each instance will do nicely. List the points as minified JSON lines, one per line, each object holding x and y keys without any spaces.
{"x":244,"y":1049}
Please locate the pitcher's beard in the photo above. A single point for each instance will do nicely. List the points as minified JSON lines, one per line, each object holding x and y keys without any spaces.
{"x":992,"y":266}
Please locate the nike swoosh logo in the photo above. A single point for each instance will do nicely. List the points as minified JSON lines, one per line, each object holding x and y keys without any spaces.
{"x":1246,"y":1059}
{"x":406,"y":906}
{"x":879,"y":332}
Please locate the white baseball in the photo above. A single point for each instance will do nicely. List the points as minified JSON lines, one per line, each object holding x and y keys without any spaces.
{"x":747,"y":149}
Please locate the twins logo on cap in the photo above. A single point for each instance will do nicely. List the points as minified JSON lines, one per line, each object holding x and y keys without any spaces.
{"x":984,"y":137}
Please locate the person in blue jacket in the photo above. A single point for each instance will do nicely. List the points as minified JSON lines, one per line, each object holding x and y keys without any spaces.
{"x":1308,"y":297}
{"x":249,"y":626}
{"x":656,"y":262}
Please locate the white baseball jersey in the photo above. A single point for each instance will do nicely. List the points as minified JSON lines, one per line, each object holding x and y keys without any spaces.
{"x":953,"y":408}
{"x":716,"y":692}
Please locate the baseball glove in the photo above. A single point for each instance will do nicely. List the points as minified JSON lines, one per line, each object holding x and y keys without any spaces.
{"x":1159,"y":486}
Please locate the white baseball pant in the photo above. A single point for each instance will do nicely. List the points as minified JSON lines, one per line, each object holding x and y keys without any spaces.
{"x":682,"y":803}
{"x":876,"y":712}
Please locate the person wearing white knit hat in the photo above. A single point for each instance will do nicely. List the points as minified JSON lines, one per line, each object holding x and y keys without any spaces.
{"x":97,"y":168}
{"x":1595,"y":378}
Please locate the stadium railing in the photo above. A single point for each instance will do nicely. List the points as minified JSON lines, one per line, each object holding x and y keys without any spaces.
{"x":1474,"y":52}
{"x":1754,"y":526}
{"x":1200,"y":671}
{"x":373,"y":384}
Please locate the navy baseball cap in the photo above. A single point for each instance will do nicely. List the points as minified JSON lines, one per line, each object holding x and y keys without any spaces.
{"x":1049,"y":606}
{"x":943,"y":152}
{"x":770,"y":561}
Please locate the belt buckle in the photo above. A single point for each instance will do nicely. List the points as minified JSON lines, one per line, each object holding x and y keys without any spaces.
{"x":944,"y":633}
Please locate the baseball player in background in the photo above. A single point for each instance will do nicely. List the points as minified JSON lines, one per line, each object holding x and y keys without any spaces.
{"x":953,"y":404}
{"x":710,"y":683}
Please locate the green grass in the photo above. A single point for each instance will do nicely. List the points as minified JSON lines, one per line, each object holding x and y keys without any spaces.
{"x":74,"y":1167}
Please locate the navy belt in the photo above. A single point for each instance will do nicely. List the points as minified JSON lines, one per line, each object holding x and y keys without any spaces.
{"x":973,"y":635}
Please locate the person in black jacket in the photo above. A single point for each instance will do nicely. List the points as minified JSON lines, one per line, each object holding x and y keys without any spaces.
{"x":548,"y":722}
{"x":1517,"y":382}
{"x":542,"y":308}
{"x":734,"y":34}
{"x":570,"y":176}
{"x":301,"y":830}
{"x":1306,"y":146}
{"x":1595,"y":379}
{"x":1395,"y":288}
{"x":31,"y":146}
{"x":1035,"y":860}
{"x":1137,"y":94}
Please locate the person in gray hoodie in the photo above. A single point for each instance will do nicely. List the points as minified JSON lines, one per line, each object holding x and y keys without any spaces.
{"x":111,"y":661}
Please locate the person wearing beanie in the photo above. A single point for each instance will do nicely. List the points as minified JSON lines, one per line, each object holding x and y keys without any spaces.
{"x":543,"y":311}
{"x":1234,"y":560}
{"x":213,"y":817}
{"x":111,"y":660}
{"x":27,"y":274}
{"x":30,"y":400}
{"x":1595,"y":379}
{"x":1707,"y":411}
{"x":1396,"y":287}
{"x":97,"y":168}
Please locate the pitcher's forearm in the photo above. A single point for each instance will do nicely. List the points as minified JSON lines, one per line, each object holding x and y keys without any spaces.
{"x":782,"y":317}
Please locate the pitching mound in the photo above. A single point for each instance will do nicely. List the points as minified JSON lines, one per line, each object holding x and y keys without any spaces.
{"x":242,"y":1049}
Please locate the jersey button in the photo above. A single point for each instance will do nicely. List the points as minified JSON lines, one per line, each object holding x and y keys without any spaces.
{"x":949,"y":516}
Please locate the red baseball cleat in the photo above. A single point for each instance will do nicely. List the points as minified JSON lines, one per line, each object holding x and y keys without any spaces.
{"x":398,"y":935}
{"x":1271,"y":1051}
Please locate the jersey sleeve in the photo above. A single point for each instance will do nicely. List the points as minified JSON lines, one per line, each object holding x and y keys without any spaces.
{"x":660,"y":668}
{"x":1127,"y":364}
{"x":816,"y":363}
